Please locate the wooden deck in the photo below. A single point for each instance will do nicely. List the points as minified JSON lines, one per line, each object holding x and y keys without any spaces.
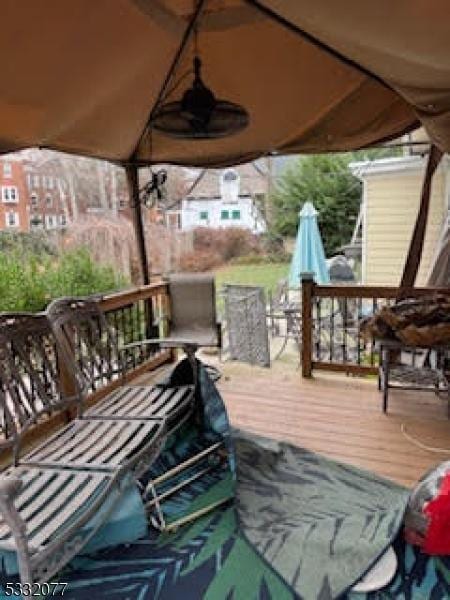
{"x":340,"y":417}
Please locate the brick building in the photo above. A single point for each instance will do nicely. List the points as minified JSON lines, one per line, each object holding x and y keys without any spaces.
{"x":46,"y":190}
{"x":41,"y":189}
{"x":14,"y":205}
{"x":47,"y":197}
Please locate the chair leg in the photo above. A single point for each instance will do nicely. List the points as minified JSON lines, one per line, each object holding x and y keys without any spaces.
{"x":448,"y":401}
{"x":385,"y":378}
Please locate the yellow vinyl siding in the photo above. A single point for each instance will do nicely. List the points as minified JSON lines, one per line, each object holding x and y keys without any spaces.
{"x":392,"y":202}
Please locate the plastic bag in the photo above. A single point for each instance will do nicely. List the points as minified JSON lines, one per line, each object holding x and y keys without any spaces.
{"x":427,"y":518}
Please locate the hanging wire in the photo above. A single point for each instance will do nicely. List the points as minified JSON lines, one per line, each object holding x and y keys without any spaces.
{"x":195,"y":38}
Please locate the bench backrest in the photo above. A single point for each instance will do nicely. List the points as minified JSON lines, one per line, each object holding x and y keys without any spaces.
{"x":87,"y":343}
{"x":30,"y":387}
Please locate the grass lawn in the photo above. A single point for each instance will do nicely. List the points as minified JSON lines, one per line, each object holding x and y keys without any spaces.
{"x":264,"y":275}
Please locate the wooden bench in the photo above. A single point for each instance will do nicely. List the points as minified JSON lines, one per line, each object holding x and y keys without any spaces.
{"x":48,"y":493}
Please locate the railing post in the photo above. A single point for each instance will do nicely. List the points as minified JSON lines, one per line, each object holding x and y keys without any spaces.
{"x":307,"y":280}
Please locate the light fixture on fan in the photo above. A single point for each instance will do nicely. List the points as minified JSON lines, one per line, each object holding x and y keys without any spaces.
{"x":199,"y":114}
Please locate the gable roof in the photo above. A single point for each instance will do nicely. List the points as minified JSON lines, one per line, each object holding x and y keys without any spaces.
{"x":252,"y":180}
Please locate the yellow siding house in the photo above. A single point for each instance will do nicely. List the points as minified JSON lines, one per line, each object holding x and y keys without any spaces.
{"x":391,"y":195}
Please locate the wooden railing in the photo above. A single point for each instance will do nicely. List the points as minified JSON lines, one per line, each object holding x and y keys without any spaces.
{"x":331,"y":317}
{"x":138,"y":314}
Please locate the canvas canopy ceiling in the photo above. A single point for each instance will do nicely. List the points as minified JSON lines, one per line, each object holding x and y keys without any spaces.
{"x":83,"y":76}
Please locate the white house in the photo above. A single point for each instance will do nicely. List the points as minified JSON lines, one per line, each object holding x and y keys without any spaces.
{"x":232,"y":197}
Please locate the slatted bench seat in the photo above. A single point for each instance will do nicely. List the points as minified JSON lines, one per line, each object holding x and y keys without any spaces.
{"x":46,"y":501}
{"x":51,"y":491}
{"x":139,"y":402}
{"x":107,"y":445}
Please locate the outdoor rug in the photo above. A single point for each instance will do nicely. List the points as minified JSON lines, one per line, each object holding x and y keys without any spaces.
{"x":214,"y":559}
{"x":300,"y":527}
{"x":320,"y":524}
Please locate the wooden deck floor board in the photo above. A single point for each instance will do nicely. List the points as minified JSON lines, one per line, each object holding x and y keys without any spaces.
{"x":340,"y":417}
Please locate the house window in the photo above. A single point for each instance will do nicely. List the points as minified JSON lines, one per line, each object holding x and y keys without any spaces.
{"x":34,"y":199}
{"x":35,"y":180}
{"x":63,"y":220}
{"x":12,"y":219}
{"x":203,"y":215}
{"x":229,"y":186}
{"x":122,"y":204}
{"x":10,"y":194}
{"x":50,"y":183}
{"x":236,"y":215}
{"x":7,"y":169}
{"x":225,"y":215}
{"x":35,"y":221}
{"x":48,"y":201}
{"x":50,"y":221}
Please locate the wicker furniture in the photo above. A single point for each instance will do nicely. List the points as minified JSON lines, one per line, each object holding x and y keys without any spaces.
{"x":417,"y":375}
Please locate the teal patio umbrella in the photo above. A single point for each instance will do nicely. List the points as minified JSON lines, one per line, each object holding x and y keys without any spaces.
{"x":309,"y":255}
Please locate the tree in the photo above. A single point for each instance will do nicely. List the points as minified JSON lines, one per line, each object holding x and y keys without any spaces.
{"x":326,"y":181}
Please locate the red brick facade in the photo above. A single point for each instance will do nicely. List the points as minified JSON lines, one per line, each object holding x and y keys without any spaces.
{"x":37,"y":194}
{"x":14,"y":206}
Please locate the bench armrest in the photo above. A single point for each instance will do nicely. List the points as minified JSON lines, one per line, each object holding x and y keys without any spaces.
{"x":9,"y":488}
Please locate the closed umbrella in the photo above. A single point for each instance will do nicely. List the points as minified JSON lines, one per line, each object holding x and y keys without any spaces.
{"x":309,"y":255}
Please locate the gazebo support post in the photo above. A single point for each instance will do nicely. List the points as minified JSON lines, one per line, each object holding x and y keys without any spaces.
{"x":133,"y":186}
{"x":132,"y":172}
{"x":416,"y":246}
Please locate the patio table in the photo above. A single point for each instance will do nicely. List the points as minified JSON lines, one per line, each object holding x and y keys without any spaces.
{"x":291,"y":315}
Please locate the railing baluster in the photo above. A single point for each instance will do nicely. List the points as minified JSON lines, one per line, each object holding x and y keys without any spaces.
{"x":332,"y":330}
{"x":344,"y":332}
{"x":318,"y":327}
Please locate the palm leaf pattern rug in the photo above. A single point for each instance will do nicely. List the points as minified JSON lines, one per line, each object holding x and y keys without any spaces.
{"x":318,"y":523}
{"x":301,"y":527}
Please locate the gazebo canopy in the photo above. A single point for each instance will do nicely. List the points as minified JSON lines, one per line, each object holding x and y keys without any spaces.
{"x":85,"y":76}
